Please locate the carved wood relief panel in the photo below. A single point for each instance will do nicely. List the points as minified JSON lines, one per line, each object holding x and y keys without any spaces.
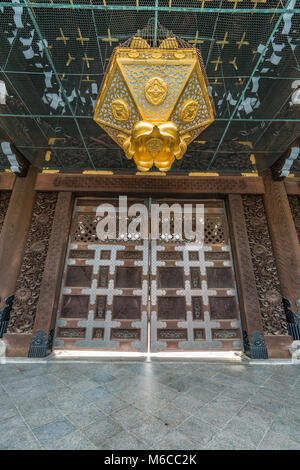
{"x":295,"y":209}
{"x":266,"y":277}
{"x":4,"y":201}
{"x":30,"y":277}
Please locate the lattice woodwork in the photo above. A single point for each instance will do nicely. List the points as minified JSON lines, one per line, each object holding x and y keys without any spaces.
{"x":84,"y":229}
{"x":214,"y":230}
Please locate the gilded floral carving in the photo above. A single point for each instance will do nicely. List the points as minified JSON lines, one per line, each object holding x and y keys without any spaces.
{"x":189,"y":111}
{"x":120,"y":109}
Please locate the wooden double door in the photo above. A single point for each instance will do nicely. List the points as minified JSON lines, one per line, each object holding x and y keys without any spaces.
{"x":148,"y":295}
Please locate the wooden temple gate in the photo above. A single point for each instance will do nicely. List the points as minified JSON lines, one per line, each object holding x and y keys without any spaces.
{"x":148,"y":295}
{"x":259,"y":241}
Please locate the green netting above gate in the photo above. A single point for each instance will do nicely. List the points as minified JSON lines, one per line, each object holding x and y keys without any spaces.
{"x":53,"y":56}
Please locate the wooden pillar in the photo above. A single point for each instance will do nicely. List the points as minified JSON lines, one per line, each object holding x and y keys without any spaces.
{"x":248,"y":298}
{"x":13,"y":239}
{"x":41,"y":343}
{"x":286,"y":249}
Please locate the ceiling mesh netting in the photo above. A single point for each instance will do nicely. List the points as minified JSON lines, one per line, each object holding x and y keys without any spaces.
{"x":53,"y":56}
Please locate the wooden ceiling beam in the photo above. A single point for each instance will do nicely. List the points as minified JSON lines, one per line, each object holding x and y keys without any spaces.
{"x":151,"y":185}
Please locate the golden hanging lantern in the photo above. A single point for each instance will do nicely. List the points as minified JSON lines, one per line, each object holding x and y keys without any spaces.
{"x":154,"y":101}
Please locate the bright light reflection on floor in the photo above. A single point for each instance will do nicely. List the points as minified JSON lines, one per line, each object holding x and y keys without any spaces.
{"x":227,"y":355}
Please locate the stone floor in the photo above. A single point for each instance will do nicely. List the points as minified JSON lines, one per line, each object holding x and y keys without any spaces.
{"x":158,"y":405}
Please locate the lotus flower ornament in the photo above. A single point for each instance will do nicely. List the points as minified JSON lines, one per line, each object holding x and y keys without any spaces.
{"x":154,"y":144}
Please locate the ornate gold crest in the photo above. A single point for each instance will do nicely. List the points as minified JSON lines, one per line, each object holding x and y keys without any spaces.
{"x":120,"y":110}
{"x":156,"y":90}
{"x":156,"y":54}
{"x":154,"y":100}
{"x":133,"y":54}
{"x":179,"y":55}
{"x":189,"y":111}
{"x":154,"y":145}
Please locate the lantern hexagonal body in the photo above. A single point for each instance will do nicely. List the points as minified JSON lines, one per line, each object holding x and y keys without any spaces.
{"x":154,"y":102}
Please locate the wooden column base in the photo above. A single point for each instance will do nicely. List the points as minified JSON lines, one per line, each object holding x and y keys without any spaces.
{"x":278,"y":346}
{"x":17,"y":344}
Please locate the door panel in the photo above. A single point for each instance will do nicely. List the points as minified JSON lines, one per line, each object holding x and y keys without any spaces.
{"x":193,"y":292}
{"x":104,"y":298}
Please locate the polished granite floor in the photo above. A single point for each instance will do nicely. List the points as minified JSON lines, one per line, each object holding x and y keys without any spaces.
{"x":158,"y":405}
